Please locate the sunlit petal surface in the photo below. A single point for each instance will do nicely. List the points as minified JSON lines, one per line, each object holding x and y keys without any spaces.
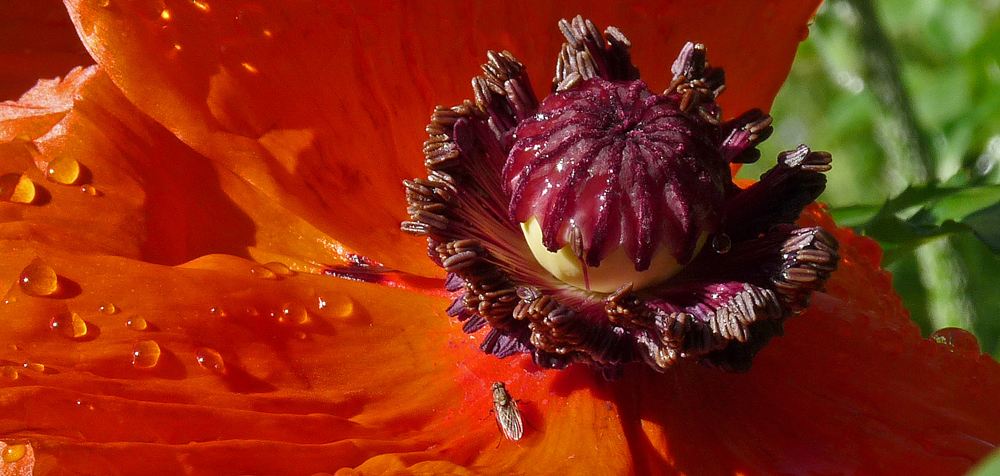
{"x":322,"y":105}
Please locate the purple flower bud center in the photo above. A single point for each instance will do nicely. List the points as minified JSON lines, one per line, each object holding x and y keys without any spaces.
{"x":608,"y":165}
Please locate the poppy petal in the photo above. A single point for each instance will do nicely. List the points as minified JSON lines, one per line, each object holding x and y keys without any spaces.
{"x":850,"y":388}
{"x":139,"y":192}
{"x":252,"y":373}
{"x":210,"y":354}
{"x":322,"y":105}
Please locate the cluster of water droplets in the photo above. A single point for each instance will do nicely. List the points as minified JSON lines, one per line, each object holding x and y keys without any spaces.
{"x":62,"y":170}
{"x":39,"y":280}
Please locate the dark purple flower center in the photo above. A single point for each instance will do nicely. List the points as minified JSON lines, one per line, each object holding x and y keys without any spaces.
{"x":609,"y":164}
{"x":572,"y":228}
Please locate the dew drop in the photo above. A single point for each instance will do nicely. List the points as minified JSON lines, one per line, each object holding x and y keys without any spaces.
{"x":251,"y":311}
{"x":104,"y":3}
{"x":63,"y":170}
{"x":9,"y":373}
{"x":262,"y":272}
{"x":145,"y":354}
{"x":295,"y":313}
{"x":34,"y":367}
{"x":90,"y":190}
{"x":721,"y":243}
{"x":38,"y":279}
{"x":279,"y":268}
{"x":136,"y":323}
{"x":108,"y":308}
{"x":218,"y":312}
{"x":69,"y":324}
{"x":299,"y":335}
{"x":249,"y":67}
{"x":211,"y":360}
{"x":13,"y":453}
{"x":17,"y":188}
{"x":165,"y":14}
{"x":200,"y":5}
{"x":337,"y":305}
{"x":960,"y":339}
{"x":10,"y":300}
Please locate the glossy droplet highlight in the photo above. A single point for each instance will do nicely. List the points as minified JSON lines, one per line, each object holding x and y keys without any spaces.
{"x":17,"y":188}
{"x":279,"y":268}
{"x":14,"y":453}
{"x":145,"y":354}
{"x":200,"y":5}
{"x":294,"y":313}
{"x":34,"y":367}
{"x":69,"y":324}
{"x":63,"y":170}
{"x":9,"y":373}
{"x":38,"y":279}
{"x":960,"y":339}
{"x":165,"y":14}
{"x":262,"y":272}
{"x":335,"y":305}
{"x":218,"y":312}
{"x":721,"y":243}
{"x":136,"y":323}
{"x":210,"y":360}
{"x":108,"y":308}
{"x":89,"y":189}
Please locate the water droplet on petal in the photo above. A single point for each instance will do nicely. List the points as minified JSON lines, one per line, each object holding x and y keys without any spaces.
{"x":136,"y":323}
{"x":336,"y":305}
{"x":108,"y":308}
{"x":34,"y":367}
{"x":211,"y":360}
{"x":63,"y":170}
{"x":218,"y":312}
{"x":200,"y":5}
{"x":960,"y":339}
{"x":17,"y":188}
{"x":279,"y":268}
{"x":104,"y":3}
{"x":299,"y":335}
{"x":721,"y":243}
{"x":262,"y":272}
{"x":38,"y":279}
{"x":145,"y":354}
{"x":295,"y":313}
{"x":69,"y":324}
{"x":252,"y":311}
{"x":90,"y":190}
{"x":13,"y":453}
{"x":9,"y":373}
{"x":165,"y":14}
{"x":10,"y":300}
{"x":249,"y":67}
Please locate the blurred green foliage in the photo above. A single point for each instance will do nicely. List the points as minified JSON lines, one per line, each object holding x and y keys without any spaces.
{"x":906,"y":96}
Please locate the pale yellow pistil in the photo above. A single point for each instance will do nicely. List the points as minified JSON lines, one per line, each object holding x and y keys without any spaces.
{"x":615,"y":270}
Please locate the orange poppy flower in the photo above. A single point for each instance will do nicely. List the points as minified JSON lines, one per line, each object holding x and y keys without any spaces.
{"x":169,"y":215}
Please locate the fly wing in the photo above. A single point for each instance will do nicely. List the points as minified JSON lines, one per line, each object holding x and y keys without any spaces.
{"x":509,"y":419}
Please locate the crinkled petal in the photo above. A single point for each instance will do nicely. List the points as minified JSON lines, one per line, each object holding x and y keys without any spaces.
{"x":851,"y":388}
{"x":151,"y":196}
{"x":279,"y":392}
{"x":322,"y":105}
{"x":377,"y":379}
